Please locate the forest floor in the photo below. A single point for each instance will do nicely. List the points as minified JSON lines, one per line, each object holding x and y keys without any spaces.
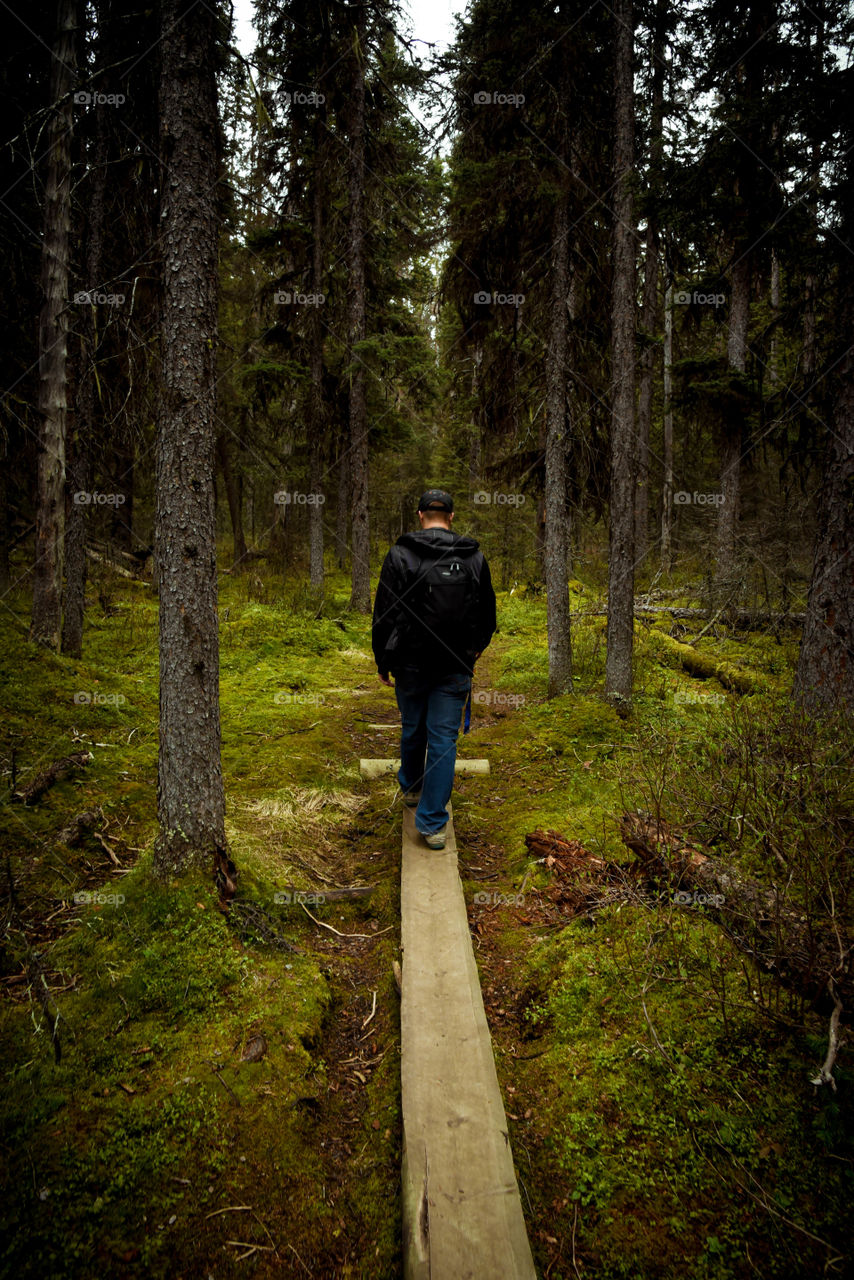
{"x":662,"y":1118}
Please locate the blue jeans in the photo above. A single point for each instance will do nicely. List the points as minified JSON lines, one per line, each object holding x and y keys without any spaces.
{"x":430,"y":713}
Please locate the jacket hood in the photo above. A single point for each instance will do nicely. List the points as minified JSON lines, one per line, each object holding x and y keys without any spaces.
{"x":437,"y":542}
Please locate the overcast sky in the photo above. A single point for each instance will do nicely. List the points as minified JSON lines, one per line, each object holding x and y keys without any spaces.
{"x":431,"y":20}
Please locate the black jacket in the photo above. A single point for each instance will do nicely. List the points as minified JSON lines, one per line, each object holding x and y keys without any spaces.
{"x":397,"y":643}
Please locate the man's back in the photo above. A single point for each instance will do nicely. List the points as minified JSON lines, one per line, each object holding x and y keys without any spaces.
{"x":434,"y":609}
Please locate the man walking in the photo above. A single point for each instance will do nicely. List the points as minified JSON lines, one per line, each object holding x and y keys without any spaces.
{"x":434,"y":614}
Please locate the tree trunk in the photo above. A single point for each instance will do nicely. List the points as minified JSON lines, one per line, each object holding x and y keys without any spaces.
{"x":647,"y":367}
{"x":75,"y":544}
{"x":557,"y":590}
{"x":190,"y":789}
{"x":53,"y":336}
{"x":87,"y":410}
{"x":475,"y":450}
{"x":667,"y":442}
{"x":731,"y":433}
{"x":773,"y":354}
{"x":5,"y":569}
{"x":649,"y":320}
{"x":540,"y":529}
{"x":316,"y":423}
{"x":360,"y":596}
{"x":342,"y":509}
{"x":618,"y":665}
{"x":124,"y":467}
{"x":315,"y":516}
{"x":232,"y":495}
{"x":824,"y":679}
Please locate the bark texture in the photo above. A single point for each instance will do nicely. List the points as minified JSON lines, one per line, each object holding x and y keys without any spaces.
{"x":232,"y":494}
{"x":360,"y":596}
{"x":731,"y":435}
{"x":82,"y":437}
{"x":650,"y":314}
{"x":557,"y":589}
{"x":667,"y":441}
{"x":316,"y":423}
{"x":190,"y":788}
{"x":618,"y":667}
{"x":53,"y":337}
{"x":824,"y":680}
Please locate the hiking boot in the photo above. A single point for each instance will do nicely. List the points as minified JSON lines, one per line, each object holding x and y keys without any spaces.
{"x":411,"y":798}
{"x":435,"y":839}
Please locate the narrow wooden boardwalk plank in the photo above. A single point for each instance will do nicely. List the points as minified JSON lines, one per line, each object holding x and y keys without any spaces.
{"x":462,"y":1217}
{"x":376,"y":768}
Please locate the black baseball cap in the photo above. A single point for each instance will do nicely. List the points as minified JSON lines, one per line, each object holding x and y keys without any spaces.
{"x":436,"y":500}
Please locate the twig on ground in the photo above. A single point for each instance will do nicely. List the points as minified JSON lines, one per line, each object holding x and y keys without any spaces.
{"x":338,"y":932}
{"x":825,"y":1076}
{"x":371,"y":1014}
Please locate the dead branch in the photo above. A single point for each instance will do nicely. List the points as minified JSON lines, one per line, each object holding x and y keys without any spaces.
{"x":825,"y":1076}
{"x":58,"y":771}
{"x":782,"y":939}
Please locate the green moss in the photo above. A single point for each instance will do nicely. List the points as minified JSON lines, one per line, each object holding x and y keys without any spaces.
{"x":704,"y":665}
{"x":661,"y":1093}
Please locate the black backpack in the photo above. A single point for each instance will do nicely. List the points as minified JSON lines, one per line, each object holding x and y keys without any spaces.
{"x":440,"y":606}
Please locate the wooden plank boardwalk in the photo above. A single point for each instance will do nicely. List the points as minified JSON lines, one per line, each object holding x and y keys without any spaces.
{"x":462,"y":1217}
{"x":376,"y":768}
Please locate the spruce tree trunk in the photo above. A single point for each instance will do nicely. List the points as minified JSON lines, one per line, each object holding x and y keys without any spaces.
{"x":360,"y":596}
{"x":667,"y":443}
{"x":190,"y":787}
{"x":618,"y":663}
{"x":53,"y":336}
{"x":315,"y":516}
{"x":773,"y":354}
{"x":647,"y":368}
{"x":316,"y":423}
{"x":81,"y":443}
{"x":75,"y":546}
{"x":557,"y":590}
{"x":540,"y":527}
{"x":824,"y":679}
{"x":232,"y":494}
{"x":649,"y":319}
{"x":124,"y":470}
{"x":5,"y":570}
{"x":342,"y":508}
{"x":731,"y":434}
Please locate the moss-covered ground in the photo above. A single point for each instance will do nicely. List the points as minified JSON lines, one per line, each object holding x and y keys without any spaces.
{"x":658,"y":1091}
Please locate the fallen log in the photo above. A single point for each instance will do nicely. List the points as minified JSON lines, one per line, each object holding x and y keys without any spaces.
{"x":58,"y":771}
{"x":582,"y":883}
{"x":553,"y":849}
{"x":116,"y":568}
{"x":704,"y":666}
{"x":741,"y":619}
{"x":137,"y":558}
{"x":804,"y":954}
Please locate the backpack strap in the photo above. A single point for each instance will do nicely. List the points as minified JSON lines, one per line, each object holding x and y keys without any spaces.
{"x":411,"y":558}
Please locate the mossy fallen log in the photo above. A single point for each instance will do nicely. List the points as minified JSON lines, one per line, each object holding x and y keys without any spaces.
{"x":806,"y":954}
{"x":742,"y":619}
{"x":704,"y":666}
{"x":59,"y":770}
